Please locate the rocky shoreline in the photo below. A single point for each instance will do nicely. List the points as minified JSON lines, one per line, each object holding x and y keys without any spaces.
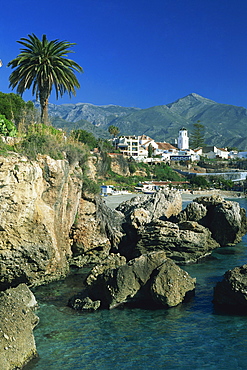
{"x":17,"y":321}
{"x":135,"y":251}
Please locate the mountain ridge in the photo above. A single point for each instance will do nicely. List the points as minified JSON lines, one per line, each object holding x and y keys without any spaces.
{"x":225,"y":124}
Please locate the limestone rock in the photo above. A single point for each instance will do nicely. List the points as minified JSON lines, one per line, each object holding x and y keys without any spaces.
{"x":39,"y":200}
{"x":141,"y":211}
{"x":119,"y":164}
{"x":193,"y":212}
{"x":139,"y":217}
{"x":231,"y":292}
{"x":111,"y":222}
{"x":163,"y":203}
{"x":184,"y":243}
{"x":89,"y":242}
{"x":17,"y":321}
{"x":110,"y":262}
{"x":117,"y":286}
{"x":225,"y":219}
{"x":140,"y":281}
{"x":171,"y":284}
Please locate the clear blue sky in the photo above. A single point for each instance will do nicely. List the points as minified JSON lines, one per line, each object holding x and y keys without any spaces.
{"x":139,"y":53}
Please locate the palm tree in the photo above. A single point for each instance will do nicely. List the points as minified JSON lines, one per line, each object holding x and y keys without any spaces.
{"x":42,"y":64}
{"x":113,"y":130}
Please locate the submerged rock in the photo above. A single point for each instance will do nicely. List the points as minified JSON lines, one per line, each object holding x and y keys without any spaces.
{"x":149,"y":279}
{"x":231,"y":292}
{"x":82,"y":302}
{"x":17,"y":321}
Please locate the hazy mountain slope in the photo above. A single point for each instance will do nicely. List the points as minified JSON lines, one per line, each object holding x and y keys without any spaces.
{"x":190,"y":105}
{"x":97,"y":115}
{"x":157,"y":122}
{"x":225,"y":125}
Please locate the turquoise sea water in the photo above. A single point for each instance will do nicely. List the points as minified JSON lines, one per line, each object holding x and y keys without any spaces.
{"x":190,"y":336}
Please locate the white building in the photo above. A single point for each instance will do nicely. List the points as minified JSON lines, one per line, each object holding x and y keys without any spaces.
{"x":136,"y":146}
{"x":183,"y":139}
{"x":129,"y":145}
{"x":242,"y":155}
{"x":212,"y":152}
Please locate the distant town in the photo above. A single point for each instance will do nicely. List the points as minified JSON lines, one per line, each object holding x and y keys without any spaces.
{"x":144,"y":149}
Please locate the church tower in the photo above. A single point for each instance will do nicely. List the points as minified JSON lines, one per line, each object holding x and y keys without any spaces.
{"x":183,"y":139}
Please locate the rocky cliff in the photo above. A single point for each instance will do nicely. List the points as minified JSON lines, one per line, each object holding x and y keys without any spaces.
{"x":39,"y":201}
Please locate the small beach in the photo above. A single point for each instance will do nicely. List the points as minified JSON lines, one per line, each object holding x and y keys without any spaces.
{"x":112,"y":201}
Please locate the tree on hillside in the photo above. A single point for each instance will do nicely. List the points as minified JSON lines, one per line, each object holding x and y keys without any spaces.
{"x":11,"y":106}
{"x":199,"y":181}
{"x":150,"y":151}
{"x":85,"y":137}
{"x":42,"y":65}
{"x":197,"y":135}
{"x":16,"y":110}
{"x":113,"y":130}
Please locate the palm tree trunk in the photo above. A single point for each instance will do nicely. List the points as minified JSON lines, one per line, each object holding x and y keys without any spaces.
{"x":43,"y":99}
{"x":44,"y":111}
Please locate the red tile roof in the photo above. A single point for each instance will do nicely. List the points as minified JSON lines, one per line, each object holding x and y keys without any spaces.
{"x":165,"y":146}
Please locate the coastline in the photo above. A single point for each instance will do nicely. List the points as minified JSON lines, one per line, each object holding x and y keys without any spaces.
{"x":112,"y":201}
{"x":189,"y":196}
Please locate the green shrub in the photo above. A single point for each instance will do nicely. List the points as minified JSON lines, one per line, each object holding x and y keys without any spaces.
{"x":76,"y":153}
{"x":84,"y":137}
{"x":199,"y":181}
{"x":104,"y":164}
{"x":132,"y":168}
{"x":90,"y":186}
{"x":163,"y":172}
{"x":5,"y":148}
{"x":40,"y":144}
{"x":7,"y":128}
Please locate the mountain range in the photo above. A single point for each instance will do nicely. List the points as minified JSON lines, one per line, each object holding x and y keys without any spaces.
{"x":225,"y":125}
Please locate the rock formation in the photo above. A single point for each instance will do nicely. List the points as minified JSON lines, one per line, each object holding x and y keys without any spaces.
{"x":171,"y":284}
{"x":17,"y":320}
{"x":151,"y":279}
{"x":225,"y":219}
{"x":163,"y":203}
{"x":140,"y":211}
{"x":231,"y":292}
{"x":89,"y":241}
{"x":97,"y":231}
{"x":184,"y":242}
{"x":39,"y":201}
